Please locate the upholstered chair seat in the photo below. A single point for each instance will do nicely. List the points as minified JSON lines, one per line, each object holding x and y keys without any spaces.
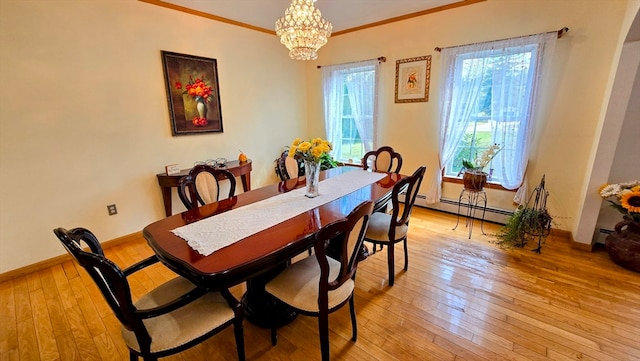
{"x":297,"y":285}
{"x":378,"y":229}
{"x":171,"y":330}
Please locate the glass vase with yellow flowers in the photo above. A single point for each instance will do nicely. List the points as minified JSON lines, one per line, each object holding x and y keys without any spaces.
{"x":310,"y":152}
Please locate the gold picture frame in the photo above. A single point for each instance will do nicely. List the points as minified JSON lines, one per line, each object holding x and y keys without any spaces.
{"x":412,"y":79}
{"x":199,"y":110}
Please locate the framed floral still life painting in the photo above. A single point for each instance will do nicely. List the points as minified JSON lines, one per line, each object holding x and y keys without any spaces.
{"x":193,"y":93}
{"x":412,"y":79}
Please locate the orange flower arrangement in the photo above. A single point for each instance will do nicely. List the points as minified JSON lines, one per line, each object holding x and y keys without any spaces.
{"x":201,"y":93}
{"x":198,"y":90}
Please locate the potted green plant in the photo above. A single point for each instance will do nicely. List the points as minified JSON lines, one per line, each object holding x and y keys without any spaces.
{"x":524,"y":222}
{"x":474,"y":177}
{"x":531,"y":220}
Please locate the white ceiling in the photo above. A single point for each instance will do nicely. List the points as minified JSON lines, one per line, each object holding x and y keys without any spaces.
{"x":343,"y":14}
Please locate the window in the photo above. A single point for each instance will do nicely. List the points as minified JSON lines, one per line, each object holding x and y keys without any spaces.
{"x":488,"y":97}
{"x":350,"y":103}
{"x":503,"y":121}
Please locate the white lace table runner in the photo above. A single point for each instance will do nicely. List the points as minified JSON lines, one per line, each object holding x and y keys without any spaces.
{"x":210,"y":234}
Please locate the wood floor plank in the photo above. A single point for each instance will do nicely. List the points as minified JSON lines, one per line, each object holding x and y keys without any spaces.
{"x":8,"y":330}
{"x":44,"y":332}
{"x":65,"y":293}
{"x":67,"y":347}
{"x":86,"y":304}
{"x":21,"y":299}
{"x":87,"y":349}
{"x":10,"y":355}
{"x":461,"y":300}
{"x":114,"y":330}
{"x":106,"y":347}
{"x":27,"y":340}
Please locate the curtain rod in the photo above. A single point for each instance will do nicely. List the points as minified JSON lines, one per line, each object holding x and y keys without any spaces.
{"x":381,"y":59}
{"x":559,"y":32}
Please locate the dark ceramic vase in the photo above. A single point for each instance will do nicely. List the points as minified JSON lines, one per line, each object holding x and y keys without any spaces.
{"x":623,"y":245}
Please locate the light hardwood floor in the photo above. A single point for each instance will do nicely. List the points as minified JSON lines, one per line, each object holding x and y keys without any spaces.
{"x":460,"y":299}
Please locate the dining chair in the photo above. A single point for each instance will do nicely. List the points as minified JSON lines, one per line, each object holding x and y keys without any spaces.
{"x":387,"y":229}
{"x":383,"y":159}
{"x":202,"y":185}
{"x":288,"y":167}
{"x":170,"y":318}
{"x":317,"y":286}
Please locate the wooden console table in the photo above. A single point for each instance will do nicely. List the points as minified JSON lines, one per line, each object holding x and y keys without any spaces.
{"x":166,"y":182}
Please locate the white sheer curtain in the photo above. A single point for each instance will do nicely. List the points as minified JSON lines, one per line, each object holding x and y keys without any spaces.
{"x":361,"y":81}
{"x":514,"y":67}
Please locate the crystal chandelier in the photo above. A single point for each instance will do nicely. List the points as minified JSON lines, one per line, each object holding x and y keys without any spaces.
{"x":303,"y":30}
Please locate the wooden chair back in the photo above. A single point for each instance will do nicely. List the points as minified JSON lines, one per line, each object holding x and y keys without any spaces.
{"x":403,"y":197}
{"x":202,"y":185}
{"x":111,"y":280}
{"x":348,"y":235}
{"x":384,"y":159}
{"x":288,"y":167}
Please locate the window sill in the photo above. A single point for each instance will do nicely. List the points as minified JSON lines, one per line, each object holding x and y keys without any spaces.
{"x":488,"y":185}
{"x":350,"y":164}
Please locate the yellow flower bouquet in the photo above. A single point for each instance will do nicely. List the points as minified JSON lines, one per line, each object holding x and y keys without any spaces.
{"x":310,"y":151}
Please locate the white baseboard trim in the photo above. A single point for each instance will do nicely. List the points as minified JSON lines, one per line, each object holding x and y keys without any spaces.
{"x":451,"y":206}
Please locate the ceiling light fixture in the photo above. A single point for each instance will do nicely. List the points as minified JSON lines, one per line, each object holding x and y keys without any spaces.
{"x":303,"y":30}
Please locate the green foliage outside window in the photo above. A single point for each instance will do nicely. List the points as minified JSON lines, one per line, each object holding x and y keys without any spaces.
{"x":470,"y":145}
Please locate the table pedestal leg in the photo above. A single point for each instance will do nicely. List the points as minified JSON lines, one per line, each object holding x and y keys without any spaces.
{"x":262,"y":309}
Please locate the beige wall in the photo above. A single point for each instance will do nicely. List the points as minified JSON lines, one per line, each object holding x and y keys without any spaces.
{"x":84,"y":120}
{"x":572,"y":99}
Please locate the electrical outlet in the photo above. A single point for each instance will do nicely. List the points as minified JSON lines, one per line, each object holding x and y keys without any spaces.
{"x":111,"y":208}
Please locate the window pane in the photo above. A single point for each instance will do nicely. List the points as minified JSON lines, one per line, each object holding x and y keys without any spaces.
{"x":352,"y":148}
{"x":350,"y":101}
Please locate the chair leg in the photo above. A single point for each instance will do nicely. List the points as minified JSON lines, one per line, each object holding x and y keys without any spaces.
{"x":354,"y":324}
{"x":375,"y":248}
{"x":406,"y":256}
{"x":323,"y":329}
{"x":238,"y":331}
{"x":390,"y":258}
{"x":274,"y":336}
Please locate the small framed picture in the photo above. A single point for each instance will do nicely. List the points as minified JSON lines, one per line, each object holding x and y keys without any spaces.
{"x":193,"y":93}
{"x":412,"y":79}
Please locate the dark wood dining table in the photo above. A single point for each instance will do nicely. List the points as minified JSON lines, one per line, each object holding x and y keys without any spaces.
{"x":259,"y":257}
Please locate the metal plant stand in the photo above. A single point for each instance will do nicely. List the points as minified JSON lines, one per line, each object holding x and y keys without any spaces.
{"x":539,"y":225}
{"x":472,"y":200}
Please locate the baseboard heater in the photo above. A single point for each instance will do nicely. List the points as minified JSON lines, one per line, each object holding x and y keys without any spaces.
{"x":495,"y":215}
{"x":602,"y":234}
